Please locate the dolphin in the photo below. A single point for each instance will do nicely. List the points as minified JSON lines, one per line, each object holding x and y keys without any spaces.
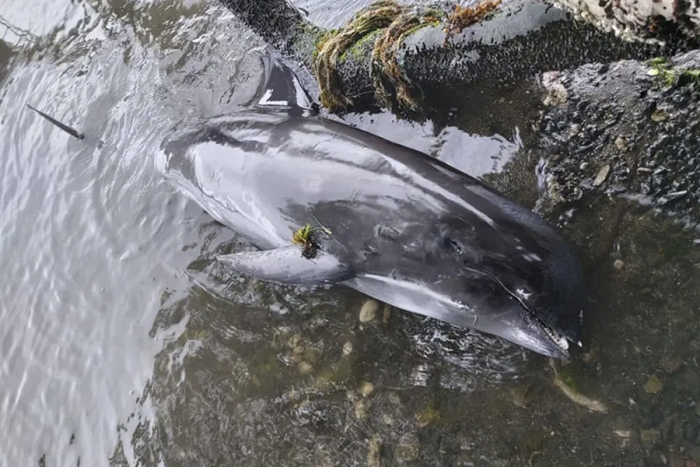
{"x":326,"y":203}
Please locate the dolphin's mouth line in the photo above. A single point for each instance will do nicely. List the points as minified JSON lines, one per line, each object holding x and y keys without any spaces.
{"x":557,"y":339}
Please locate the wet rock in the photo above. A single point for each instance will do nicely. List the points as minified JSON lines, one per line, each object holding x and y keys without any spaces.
{"x":638,"y":127}
{"x":369,"y":311}
{"x":672,"y":364}
{"x":650,"y":437}
{"x":653,"y":385}
{"x":347,"y":348}
{"x":408,"y":449}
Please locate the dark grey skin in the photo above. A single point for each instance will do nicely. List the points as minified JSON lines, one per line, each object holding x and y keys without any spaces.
{"x":397,"y":225}
{"x":392,"y":222}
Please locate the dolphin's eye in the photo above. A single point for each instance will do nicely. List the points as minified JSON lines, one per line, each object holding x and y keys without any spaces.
{"x":455,"y":246}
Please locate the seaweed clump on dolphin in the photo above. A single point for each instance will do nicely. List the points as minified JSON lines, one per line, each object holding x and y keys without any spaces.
{"x":407,"y":229}
{"x":306,"y":238}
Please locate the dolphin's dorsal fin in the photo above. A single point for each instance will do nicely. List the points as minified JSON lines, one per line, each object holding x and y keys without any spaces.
{"x":286,"y":265}
{"x":283,"y":89}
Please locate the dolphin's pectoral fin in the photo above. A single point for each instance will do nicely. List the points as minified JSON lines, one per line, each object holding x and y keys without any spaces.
{"x":287,"y":266}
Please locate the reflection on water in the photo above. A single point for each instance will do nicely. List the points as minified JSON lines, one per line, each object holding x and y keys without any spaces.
{"x":123,"y":343}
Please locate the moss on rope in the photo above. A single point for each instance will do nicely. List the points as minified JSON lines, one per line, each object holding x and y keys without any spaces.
{"x":389,"y":80}
{"x":387,"y":23}
{"x":378,"y":15}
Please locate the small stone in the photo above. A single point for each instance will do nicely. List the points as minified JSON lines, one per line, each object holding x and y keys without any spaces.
{"x":583,"y":166}
{"x":625,"y":435}
{"x":653,"y":385}
{"x":388,"y":419}
{"x":621,"y":143}
{"x":297,"y":358}
{"x":408,"y":449}
{"x":672,"y":364}
{"x":360,"y":410}
{"x":426,"y":416}
{"x":618,"y":264}
{"x":347,"y":348}
{"x":590,"y":356}
{"x":650,"y":437}
{"x":304,"y":368}
{"x":373,"y":453}
{"x":602,"y":175}
{"x":386,"y":313}
{"x":366,"y":389}
{"x":294,"y":341}
{"x":659,"y":115}
{"x":519,"y":395}
{"x":368,"y":311}
{"x":557,"y":95}
{"x":298,"y":350}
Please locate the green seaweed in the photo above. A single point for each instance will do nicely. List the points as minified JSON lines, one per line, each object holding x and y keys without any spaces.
{"x":668,"y":76}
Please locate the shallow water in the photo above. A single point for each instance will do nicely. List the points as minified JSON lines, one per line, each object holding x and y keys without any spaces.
{"x":121,"y":343}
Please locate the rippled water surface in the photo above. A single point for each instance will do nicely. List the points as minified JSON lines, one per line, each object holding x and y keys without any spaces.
{"x":121,"y":343}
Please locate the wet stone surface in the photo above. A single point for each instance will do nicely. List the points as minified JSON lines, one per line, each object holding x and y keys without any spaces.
{"x":620,"y":121}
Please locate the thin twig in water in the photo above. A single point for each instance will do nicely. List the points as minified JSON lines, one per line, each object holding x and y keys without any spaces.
{"x":574,"y":395}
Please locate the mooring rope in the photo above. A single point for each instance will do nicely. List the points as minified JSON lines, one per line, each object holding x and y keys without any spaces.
{"x":397,"y":22}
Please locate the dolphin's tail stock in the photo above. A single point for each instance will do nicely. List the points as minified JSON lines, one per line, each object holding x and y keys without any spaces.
{"x":71,"y":131}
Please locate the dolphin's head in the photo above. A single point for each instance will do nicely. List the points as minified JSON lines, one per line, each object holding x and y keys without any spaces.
{"x":481,"y":301}
{"x":526,"y":287}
